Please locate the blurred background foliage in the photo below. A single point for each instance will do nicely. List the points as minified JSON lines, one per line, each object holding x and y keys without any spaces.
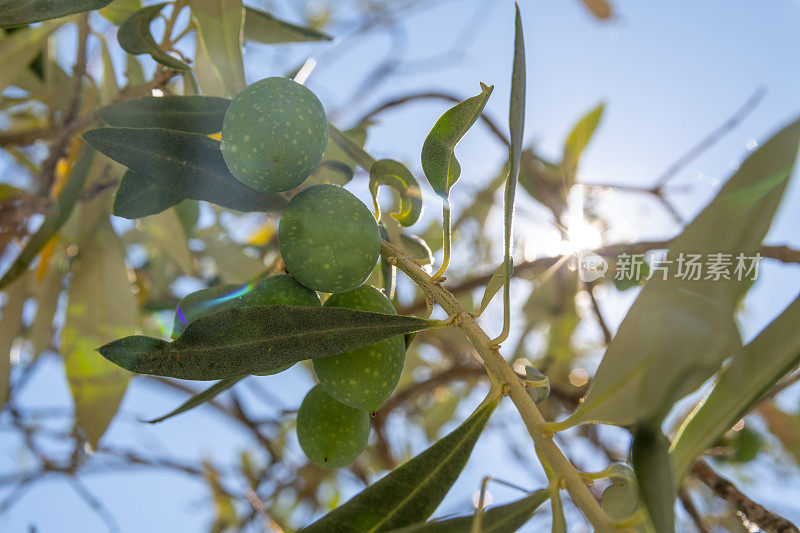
{"x":233,"y":464}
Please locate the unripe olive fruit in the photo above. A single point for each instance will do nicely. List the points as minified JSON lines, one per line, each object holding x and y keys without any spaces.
{"x":272,"y":290}
{"x":329,"y":239}
{"x":365,"y":377}
{"x":274,"y":134}
{"x":330,"y":433}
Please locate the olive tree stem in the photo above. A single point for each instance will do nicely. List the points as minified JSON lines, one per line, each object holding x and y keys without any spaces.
{"x":501,"y":372}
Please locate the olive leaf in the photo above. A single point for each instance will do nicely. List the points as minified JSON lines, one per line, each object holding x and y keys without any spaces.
{"x":19,"y":48}
{"x":10,"y":326}
{"x":411,"y":492}
{"x":262,"y":27}
{"x":350,"y":147}
{"x":21,"y":12}
{"x":220,"y":25}
{"x":138,"y":196}
{"x":679,"y":331}
{"x":100,"y":306}
{"x":165,"y":231}
{"x":134,"y":37}
{"x":740,"y":385}
{"x":500,"y":519}
{"x":516,"y":112}
{"x":119,"y":10}
{"x":200,"y":398}
{"x":578,"y":138}
{"x":396,"y":175}
{"x":415,"y":247}
{"x":194,"y":113}
{"x":651,"y":462}
{"x":258,"y":339}
{"x":438,"y":158}
{"x":202,"y":302}
{"x":47,"y":292}
{"x":55,"y":219}
{"x":189,"y":165}
{"x":495,"y":284}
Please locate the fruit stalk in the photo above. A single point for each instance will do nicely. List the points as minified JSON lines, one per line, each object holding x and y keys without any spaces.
{"x":446,"y":239}
{"x":500,"y":371}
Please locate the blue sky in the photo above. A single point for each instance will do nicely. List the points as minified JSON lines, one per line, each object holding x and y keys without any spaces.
{"x":668,"y":72}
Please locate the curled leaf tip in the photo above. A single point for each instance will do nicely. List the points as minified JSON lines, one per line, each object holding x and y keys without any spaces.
{"x":438,"y":158}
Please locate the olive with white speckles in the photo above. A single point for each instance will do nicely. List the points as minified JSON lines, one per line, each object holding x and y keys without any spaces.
{"x":274,"y":134}
{"x":365,"y":377}
{"x":330,"y":433}
{"x":329,"y":239}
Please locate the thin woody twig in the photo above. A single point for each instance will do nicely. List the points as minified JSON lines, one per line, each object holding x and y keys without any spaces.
{"x":688,"y":505}
{"x":781,"y":253}
{"x":502,"y":373}
{"x":712,"y":138}
{"x":748,"y":509}
{"x":64,"y":135}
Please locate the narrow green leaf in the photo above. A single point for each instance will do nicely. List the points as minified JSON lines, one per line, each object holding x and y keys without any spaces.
{"x":134,"y":37}
{"x":257,"y":339}
{"x":494,"y":285}
{"x":396,"y":175}
{"x":108,"y":85}
{"x":166,"y":232}
{"x":10,"y":326}
{"x":680,"y":330}
{"x":220,"y":25}
{"x":350,"y":147}
{"x":19,"y":48}
{"x":438,"y":158}
{"x":500,"y":519}
{"x":185,"y":164}
{"x":264,"y":28}
{"x":559,"y":524}
{"x":20,"y":12}
{"x":651,"y":462}
{"x":578,"y":138}
{"x":740,"y":385}
{"x":516,"y":121}
{"x":47,"y":292}
{"x":200,"y":398}
{"x":138,"y":196}
{"x":208,"y":77}
{"x":411,"y":492}
{"x":119,"y":10}
{"x":516,"y":114}
{"x":195,"y":114}
{"x":54,"y":220}
{"x":101,"y":305}
{"x":416,"y":248}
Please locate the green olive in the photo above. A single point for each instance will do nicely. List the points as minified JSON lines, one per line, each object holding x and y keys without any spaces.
{"x":330,"y":433}
{"x":365,"y":377}
{"x":274,"y":134}
{"x":329,"y":239}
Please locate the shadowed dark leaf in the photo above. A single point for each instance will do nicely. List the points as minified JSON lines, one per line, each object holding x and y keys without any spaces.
{"x":185,"y":164}
{"x":193,"y":113}
{"x":257,"y":339}
{"x":411,"y":492}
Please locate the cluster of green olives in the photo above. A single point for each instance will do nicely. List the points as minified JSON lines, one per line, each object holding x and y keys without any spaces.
{"x":274,"y":135}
